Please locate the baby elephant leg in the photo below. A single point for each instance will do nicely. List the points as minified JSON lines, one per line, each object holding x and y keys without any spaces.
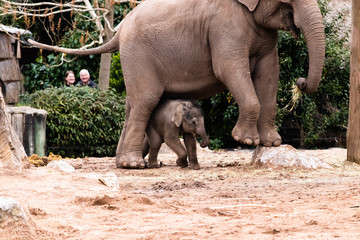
{"x":152,"y":144}
{"x":175,"y":144}
{"x":190,"y":143}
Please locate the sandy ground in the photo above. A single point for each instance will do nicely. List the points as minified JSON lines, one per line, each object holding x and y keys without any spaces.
{"x":227,"y":199}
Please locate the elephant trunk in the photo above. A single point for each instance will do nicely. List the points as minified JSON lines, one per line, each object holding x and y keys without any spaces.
{"x":308,"y":18}
{"x":205,"y":142}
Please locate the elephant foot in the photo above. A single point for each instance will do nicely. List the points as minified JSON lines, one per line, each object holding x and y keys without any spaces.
{"x":154,"y":165}
{"x":194,"y":166}
{"x":270,"y":137}
{"x":246,"y":134}
{"x":182,"y":162}
{"x":130,"y":160}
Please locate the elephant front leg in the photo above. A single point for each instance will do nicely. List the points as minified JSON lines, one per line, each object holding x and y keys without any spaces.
{"x":239,"y":83}
{"x":174,"y":143}
{"x":190,"y":143}
{"x":266,"y":80}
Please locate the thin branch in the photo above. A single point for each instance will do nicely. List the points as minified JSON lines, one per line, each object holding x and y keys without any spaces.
{"x":96,"y":19}
{"x":47,"y":11}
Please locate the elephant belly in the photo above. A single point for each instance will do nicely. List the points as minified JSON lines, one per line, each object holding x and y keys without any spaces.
{"x":194,"y":88}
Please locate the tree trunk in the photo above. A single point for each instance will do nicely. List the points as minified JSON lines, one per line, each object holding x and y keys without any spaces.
{"x":353,"y":131}
{"x":105,"y":62}
{"x":12,"y":153}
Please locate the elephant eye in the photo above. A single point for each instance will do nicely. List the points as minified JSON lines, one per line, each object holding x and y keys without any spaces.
{"x":194,"y":121}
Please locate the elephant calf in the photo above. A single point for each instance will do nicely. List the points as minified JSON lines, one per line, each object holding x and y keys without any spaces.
{"x":169,"y":120}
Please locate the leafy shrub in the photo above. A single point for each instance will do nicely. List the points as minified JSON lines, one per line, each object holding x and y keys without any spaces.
{"x":49,"y":68}
{"x":46,"y":72}
{"x":116,"y":74}
{"x":81,"y":121}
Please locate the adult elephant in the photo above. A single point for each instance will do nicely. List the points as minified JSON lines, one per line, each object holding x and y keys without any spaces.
{"x":194,"y":49}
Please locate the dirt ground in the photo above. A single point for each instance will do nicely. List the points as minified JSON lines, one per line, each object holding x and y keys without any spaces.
{"x":227,"y":199}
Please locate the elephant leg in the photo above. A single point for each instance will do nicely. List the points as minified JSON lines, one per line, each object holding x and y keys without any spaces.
{"x":122,"y":136}
{"x":129,"y":154}
{"x":190,"y":143}
{"x":240,"y":85}
{"x":266,"y":80}
{"x":154,"y":142}
{"x":146,"y":147}
{"x":174,"y":143}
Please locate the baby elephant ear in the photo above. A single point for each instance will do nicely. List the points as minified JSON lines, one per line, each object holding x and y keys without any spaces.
{"x":177,"y":115}
{"x":250,"y":4}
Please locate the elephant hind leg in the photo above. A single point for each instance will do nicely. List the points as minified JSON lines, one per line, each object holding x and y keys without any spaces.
{"x":154,"y":143}
{"x":144,"y":91}
{"x":122,"y":136}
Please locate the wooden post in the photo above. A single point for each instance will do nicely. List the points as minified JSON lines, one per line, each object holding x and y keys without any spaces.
{"x":29,"y":136}
{"x":12,"y":153}
{"x":105,"y":62}
{"x":40,"y":132}
{"x":353,"y":131}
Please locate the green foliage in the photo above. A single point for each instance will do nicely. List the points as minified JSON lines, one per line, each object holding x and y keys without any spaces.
{"x":49,"y":68}
{"x":327,"y":108}
{"x":41,"y":74}
{"x":313,"y":115}
{"x":81,"y":121}
{"x":116,"y":74}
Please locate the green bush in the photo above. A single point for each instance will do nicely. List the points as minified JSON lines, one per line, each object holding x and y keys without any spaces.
{"x":81,"y":121}
{"x":49,"y":68}
{"x":45,"y":73}
{"x":116,"y":74}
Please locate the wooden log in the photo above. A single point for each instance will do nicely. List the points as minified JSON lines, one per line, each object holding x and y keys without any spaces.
{"x":40,"y":132}
{"x":29,"y":136}
{"x":17,"y":120}
{"x":30,"y":126}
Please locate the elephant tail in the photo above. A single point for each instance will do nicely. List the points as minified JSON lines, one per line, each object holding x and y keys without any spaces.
{"x":109,"y":47}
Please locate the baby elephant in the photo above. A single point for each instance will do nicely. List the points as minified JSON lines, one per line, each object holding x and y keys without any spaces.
{"x":169,"y":120}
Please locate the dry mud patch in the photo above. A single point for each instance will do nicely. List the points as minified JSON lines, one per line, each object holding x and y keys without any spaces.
{"x":227,"y":199}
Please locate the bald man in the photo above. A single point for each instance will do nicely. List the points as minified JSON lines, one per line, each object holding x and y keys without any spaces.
{"x":85,"y":79}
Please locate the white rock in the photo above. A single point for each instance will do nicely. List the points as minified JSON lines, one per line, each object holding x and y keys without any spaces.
{"x":285,"y":156}
{"x":61,"y":166}
{"x":10,"y":208}
{"x":110,"y":179}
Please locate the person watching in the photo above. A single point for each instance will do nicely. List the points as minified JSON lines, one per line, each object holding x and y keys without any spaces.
{"x":69,"y":78}
{"x":85,"y":79}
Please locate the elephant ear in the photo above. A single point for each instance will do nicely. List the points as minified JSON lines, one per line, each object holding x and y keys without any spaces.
{"x":250,"y":4}
{"x":177,"y":115}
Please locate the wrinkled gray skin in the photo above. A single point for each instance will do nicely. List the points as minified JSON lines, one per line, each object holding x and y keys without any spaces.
{"x":193,"y":49}
{"x":169,"y":120}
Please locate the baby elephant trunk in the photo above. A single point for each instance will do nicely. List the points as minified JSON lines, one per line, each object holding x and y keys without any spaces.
{"x":205,"y":142}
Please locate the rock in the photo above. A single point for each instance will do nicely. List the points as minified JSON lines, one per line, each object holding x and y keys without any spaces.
{"x":10,"y":208}
{"x":61,"y":166}
{"x":110,"y":179}
{"x":285,"y":156}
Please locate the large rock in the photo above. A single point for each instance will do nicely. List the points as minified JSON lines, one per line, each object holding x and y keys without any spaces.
{"x":61,"y":166}
{"x":11,"y":209}
{"x":285,"y":156}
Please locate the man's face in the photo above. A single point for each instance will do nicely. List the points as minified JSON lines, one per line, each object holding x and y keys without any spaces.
{"x":84,"y":76}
